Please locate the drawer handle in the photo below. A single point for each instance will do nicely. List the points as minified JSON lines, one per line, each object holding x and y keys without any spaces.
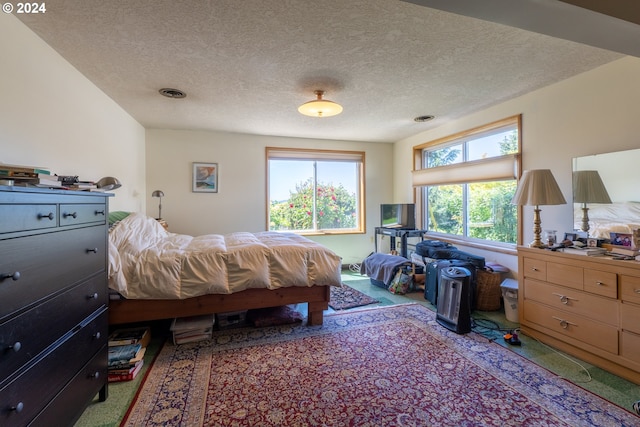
{"x":93,"y":296}
{"x":94,"y":250}
{"x":565,"y":299}
{"x":534,"y":269}
{"x":49,"y":215}
{"x":100,"y":212}
{"x":637,"y":291}
{"x":14,"y":276}
{"x":97,"y":335}
{"x":599,"y":283}
{"x":73,"y":215}
{"x":18,"y":408}
{"x":15,"y":347}
{"x":564,"y":324}
{"x":94,"y":375}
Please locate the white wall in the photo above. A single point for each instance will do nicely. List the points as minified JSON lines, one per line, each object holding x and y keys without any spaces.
{"x":52,"y":116}
{"x":592,"y":113}
{"x":240,"y":204}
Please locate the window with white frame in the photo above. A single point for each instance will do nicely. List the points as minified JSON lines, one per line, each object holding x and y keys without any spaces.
{"x":315,"y":191}
{"x":466,"y":183}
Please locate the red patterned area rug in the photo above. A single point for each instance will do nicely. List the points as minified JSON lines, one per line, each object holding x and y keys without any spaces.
{"x":386,"y":366}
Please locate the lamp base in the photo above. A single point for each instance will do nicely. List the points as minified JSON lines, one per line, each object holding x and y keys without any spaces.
{"x":537,"y":244}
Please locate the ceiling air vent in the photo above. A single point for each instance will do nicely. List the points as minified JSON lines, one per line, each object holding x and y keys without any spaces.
{"x":172,"y":93}
{"x":421,"y":119}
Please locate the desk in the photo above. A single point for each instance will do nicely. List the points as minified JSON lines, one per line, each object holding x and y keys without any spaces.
{"x":394,"y":233}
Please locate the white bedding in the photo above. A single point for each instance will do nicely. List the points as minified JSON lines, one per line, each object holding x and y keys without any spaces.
{"x":148,"y":262}
{"x":622,"y":217}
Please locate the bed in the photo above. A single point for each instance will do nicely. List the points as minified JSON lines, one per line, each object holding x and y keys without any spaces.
{"x":155,"y":274}
{"x":620,"y":217}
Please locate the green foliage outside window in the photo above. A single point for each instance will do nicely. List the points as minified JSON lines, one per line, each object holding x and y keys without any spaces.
{"x":332,"y":207}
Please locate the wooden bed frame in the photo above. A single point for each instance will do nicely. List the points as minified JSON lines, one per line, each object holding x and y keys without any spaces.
{"x":141,"y":310}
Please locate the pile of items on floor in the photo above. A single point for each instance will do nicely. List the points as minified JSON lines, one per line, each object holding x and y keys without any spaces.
{"x":127,"y":348}
{"x":422,"y":272}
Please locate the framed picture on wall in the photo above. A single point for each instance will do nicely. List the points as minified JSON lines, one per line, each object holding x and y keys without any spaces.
{"x":205,"y":178}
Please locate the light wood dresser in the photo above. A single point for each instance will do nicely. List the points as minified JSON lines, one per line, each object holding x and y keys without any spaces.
{"x":586,"y":306}
{"x":53,"y":304}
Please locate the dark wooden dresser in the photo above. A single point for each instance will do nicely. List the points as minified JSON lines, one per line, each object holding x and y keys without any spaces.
{"x":53,"y":304}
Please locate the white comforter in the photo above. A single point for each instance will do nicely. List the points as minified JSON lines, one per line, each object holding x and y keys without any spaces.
{"x":147,"y":262}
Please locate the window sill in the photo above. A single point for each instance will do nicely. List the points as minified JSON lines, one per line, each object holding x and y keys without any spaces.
{"x":503,"y":248}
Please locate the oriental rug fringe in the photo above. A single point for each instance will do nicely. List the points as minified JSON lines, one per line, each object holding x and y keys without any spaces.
{"x":383,"y":366}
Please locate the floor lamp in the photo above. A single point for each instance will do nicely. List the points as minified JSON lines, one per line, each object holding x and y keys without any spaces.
{"x":538,"y":187}
{"x":588,"y":188}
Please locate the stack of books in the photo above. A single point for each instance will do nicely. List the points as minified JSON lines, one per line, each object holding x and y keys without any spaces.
{"x":28,"y":175}
{"x":588,"y":251}
{"x":127,"y":348}
{"x":194,"y":328}
{"x":624,"y":250}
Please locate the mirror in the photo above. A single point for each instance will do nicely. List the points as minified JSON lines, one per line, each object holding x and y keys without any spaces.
{"x":618,"y":171}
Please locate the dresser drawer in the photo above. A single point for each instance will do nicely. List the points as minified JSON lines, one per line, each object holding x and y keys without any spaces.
{"x":571,"y":325}
{"x":27,"y":217}
{"x":630,"y":346}
{"x":87,"y":383}
{"x":630,"y":288}
{"x":47,"y":264}
{"x":601,"y":282}
{"x":630,"y":317}
{"x":82,"y":214}
{"x":26,"y":332}
{"x":38,"y":385}
{"x":573,"y":301}
{"x":535,"y":269}
{"x":565,"y":275}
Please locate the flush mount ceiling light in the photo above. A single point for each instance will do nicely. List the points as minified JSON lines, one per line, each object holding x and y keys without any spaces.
{"x":172,"y":93}
{"x":320,"y":107}
{"x":421,"y":119}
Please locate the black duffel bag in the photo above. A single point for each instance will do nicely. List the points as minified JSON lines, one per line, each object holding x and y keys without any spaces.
{"x":433,"y":249}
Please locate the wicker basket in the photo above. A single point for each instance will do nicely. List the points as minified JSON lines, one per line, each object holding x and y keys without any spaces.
{"x":488,"y":291}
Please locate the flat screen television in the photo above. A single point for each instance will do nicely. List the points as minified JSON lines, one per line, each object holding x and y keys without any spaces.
{"x":398,"y":215}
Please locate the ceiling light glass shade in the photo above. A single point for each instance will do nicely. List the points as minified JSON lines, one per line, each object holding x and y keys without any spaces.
{"x":108,"y":183}
{"x":320,"y":107}
{"x":538,"y":187}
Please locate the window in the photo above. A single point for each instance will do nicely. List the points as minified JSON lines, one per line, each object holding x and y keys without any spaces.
{"x":315,"y":191}
{"x":466,"y":183}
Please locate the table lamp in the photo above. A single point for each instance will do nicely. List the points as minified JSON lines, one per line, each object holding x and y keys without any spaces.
{"x":588,"y":188}
{"x":537,"y":187}
{"x":159,"y":194}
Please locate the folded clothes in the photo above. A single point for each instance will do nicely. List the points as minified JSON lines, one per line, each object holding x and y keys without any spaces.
{"x":382,"y":267}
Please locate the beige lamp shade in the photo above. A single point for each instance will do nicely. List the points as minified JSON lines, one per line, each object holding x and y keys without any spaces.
{"x":320,"y":107}
{"x":589,"y":188}
{"x":538,"y":187}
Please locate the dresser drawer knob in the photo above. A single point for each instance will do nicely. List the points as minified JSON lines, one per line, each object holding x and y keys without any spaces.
{"x":94,"y":250}
{"x":637,"y":291}
{"x":534,"y":269}
{"x":49,"y":215}
{"x":14,"y":276}
{"x":18,"y":408}
{"x":93,"y":296}
{"x":73,"y":215}
{"x":94,"y":375}
{"x":564,"y":299}
{"x":16,"y":346}
{"x":97,"y":335}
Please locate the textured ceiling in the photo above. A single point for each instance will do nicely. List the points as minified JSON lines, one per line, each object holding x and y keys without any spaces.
{"x":247,"y":65}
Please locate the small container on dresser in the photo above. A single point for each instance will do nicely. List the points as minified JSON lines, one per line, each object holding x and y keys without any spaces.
{"x":53,"y":311}
{"x":586,"y":306}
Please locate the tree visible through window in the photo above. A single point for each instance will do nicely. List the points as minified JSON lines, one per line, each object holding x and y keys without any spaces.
{"x":314,"y":190}
{"x":467,"y":183}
